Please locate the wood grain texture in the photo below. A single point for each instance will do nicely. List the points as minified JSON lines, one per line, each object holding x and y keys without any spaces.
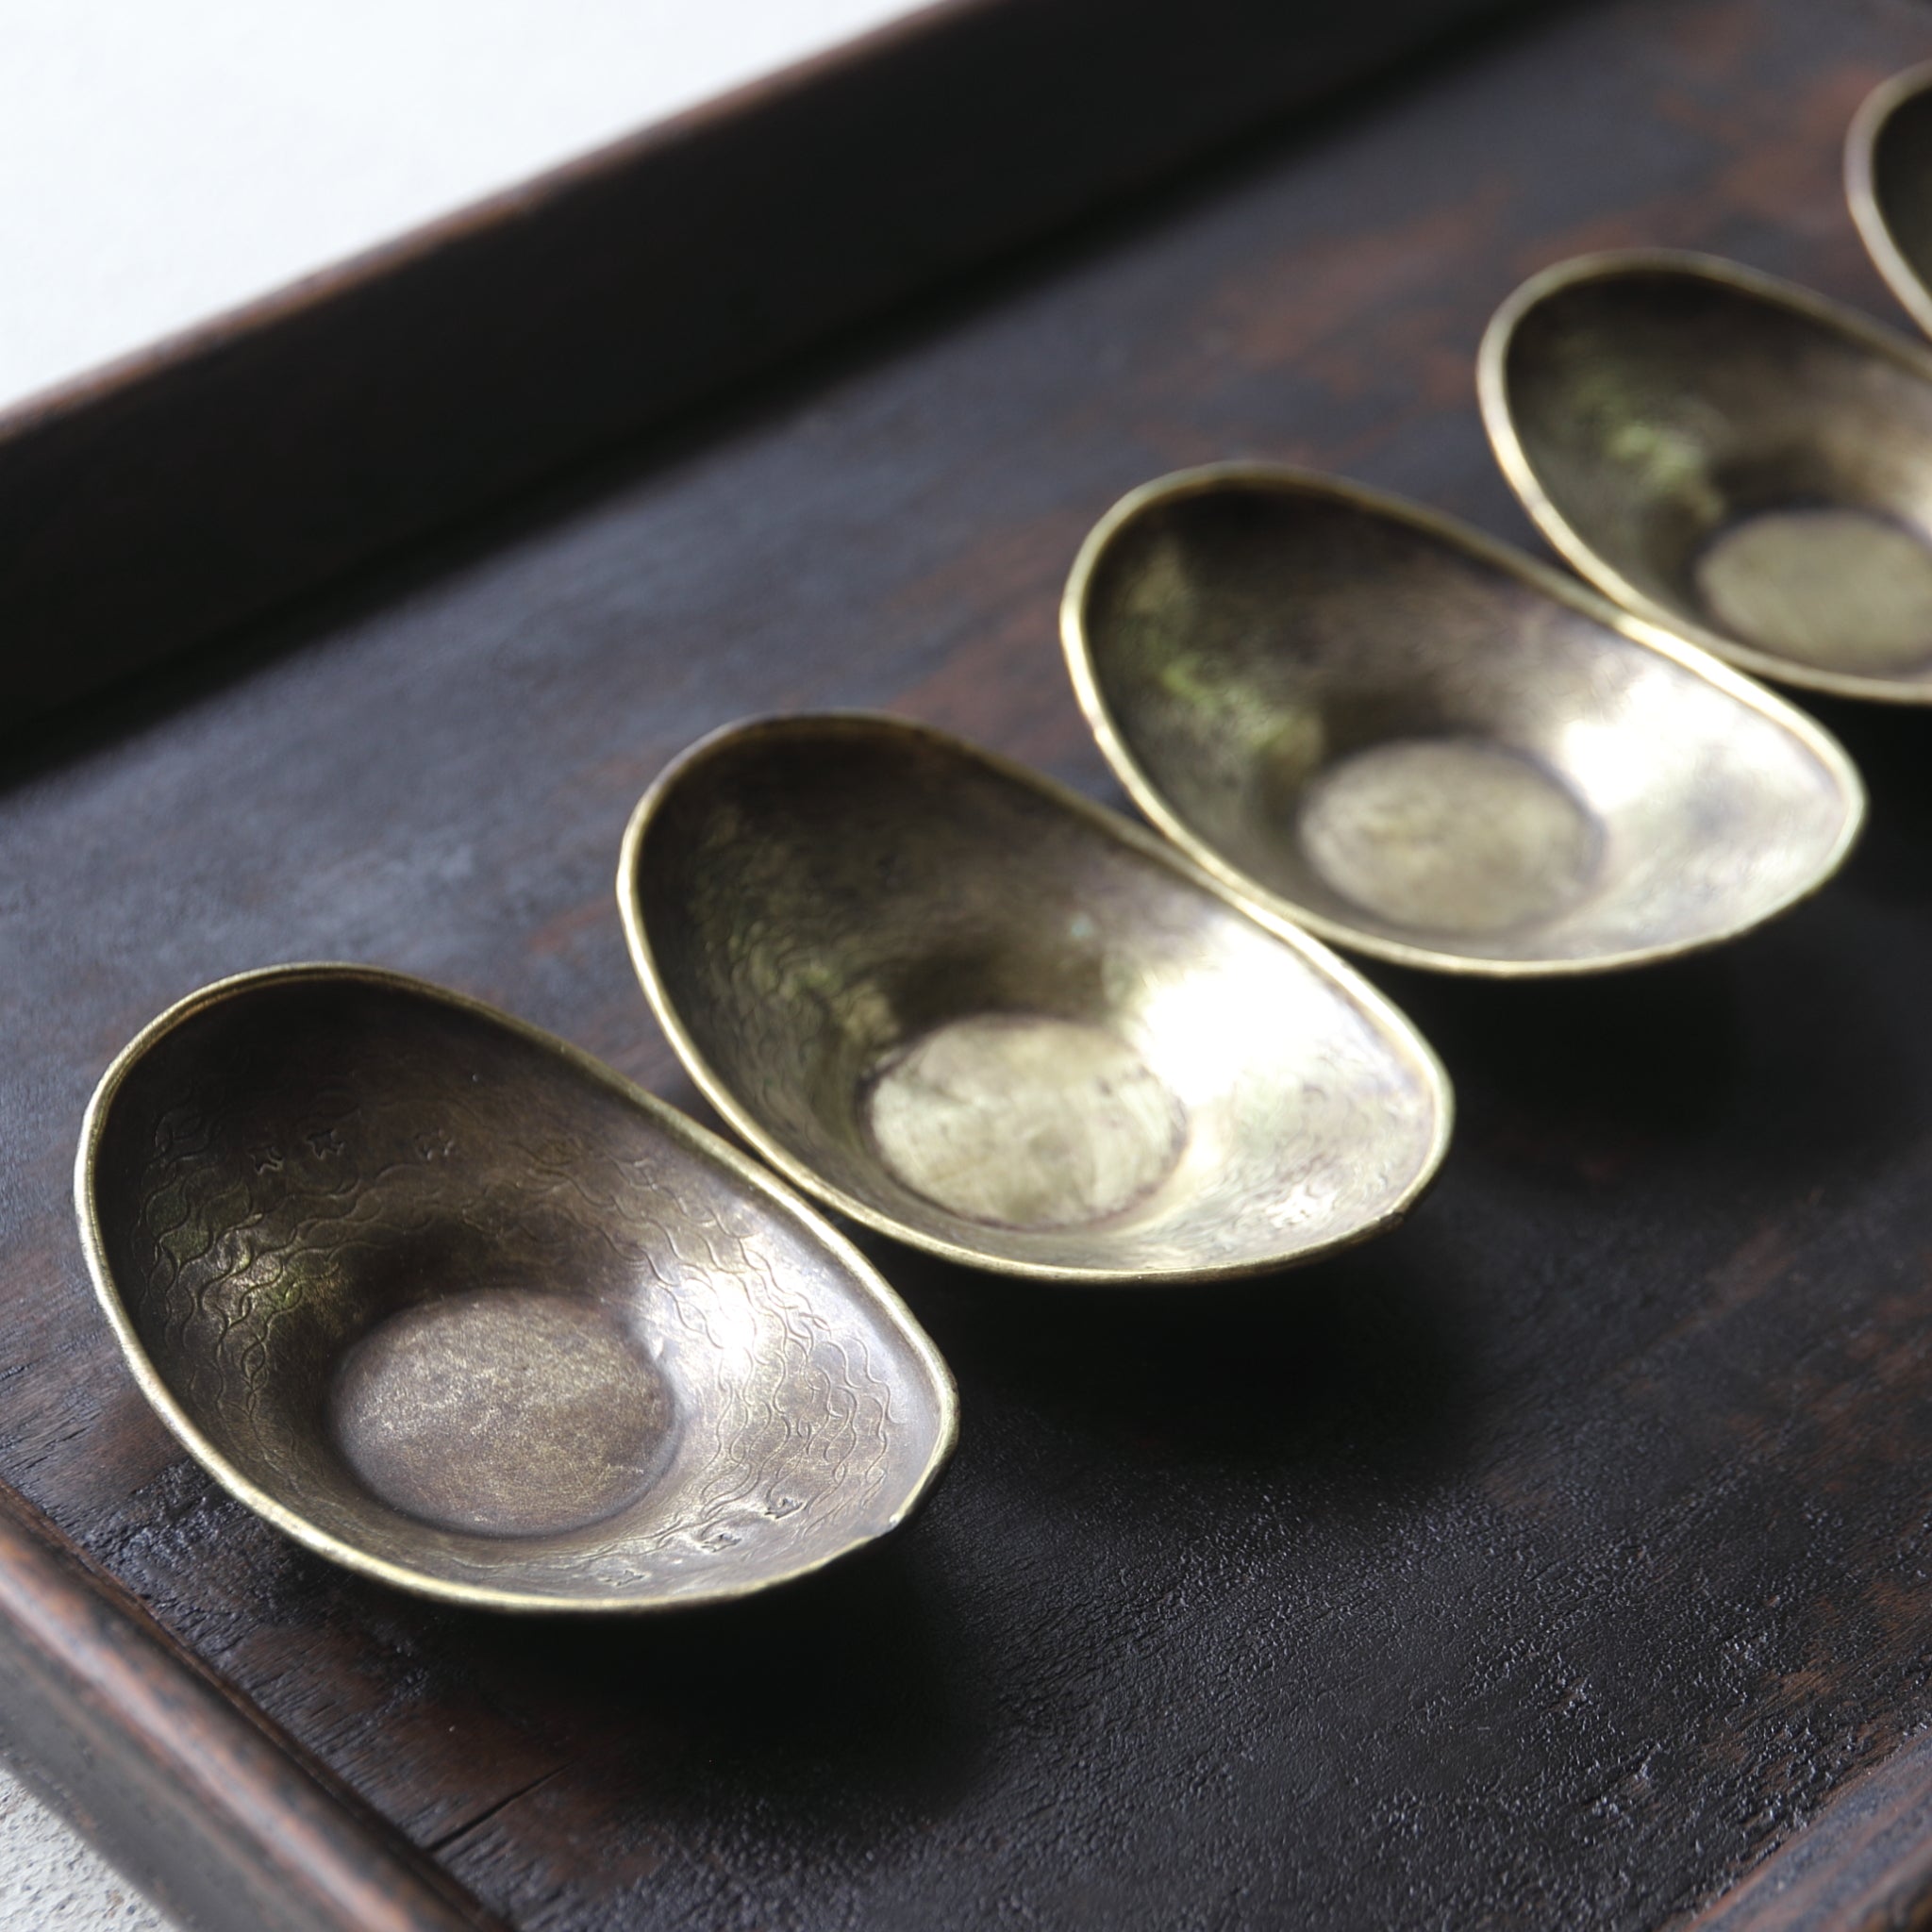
{"x":1865,"y":1865}
{"x":196,"y":486}
{"x":1555,"y":1561}
{"x":229,"y":1824}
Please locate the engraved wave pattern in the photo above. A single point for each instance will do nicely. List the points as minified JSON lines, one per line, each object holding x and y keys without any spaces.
{"x":250,"y":1217}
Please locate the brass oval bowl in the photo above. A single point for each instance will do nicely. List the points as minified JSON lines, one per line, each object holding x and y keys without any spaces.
{"x":453,"y":1305}
{"x":978,"y":1013}
{"x":1427,"y":747}
{"x":1730,"y":456}
{"x":1889,"y":184}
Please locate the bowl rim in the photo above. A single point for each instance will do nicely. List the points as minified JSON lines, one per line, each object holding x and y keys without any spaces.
{"x":1861,"y":189}
{"x":683,"y":1131}
{"x":1286,"y":479}
{"x":1387,"y":1019}
{"x":1499,"y":423}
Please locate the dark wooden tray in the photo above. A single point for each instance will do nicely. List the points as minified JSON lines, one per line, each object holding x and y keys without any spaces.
{"x":1558,"y":1562}
{"x":221,"y":473}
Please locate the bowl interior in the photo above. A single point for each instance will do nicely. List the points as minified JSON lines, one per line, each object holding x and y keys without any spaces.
{"x":1405,"y":740}
{"x":463,"y":1305}
{"x":1746,"y":465}
{"x":990,"y":1019}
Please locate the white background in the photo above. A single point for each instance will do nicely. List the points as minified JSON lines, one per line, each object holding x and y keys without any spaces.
{"x":162,"y":160}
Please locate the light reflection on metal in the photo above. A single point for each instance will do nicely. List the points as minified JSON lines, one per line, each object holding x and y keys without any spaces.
{"x":977,"y":1012}
{"x":1730,"y":456}
{"x":1427,"y":747}
{"x":453,"y":1305}
{"x":1889,"y":184}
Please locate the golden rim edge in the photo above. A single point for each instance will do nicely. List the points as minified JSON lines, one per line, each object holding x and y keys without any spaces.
{"x":681,"y":1128}
{"x":1861,"y":142}
{"x":1388,"y":1017}
{"x":1576,"y":550}
{"x":1640,"y":631}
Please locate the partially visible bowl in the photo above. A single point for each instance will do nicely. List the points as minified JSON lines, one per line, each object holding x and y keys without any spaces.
{"x":1889,"y":184}
{"x":1730,"y":456}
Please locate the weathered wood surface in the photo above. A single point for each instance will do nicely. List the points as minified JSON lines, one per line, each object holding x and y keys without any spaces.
{"x":1863,"y":1865}
{"x":1553,"y":1562}
{"x":226,"y":1822}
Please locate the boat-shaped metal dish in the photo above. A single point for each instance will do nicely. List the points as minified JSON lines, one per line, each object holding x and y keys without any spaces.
{"x":455,"y":1306}
{"x":974,"y":1010}
{"x":1728,"y":455}
{"x":1426,"y":747}
{"x":1889,"y":184}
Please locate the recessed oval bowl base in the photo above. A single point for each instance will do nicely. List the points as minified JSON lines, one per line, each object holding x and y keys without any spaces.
{"x":459,"y":1308}
{"x":1425,"y":746}
{"x":1730,"y":456}
{"x":982,"y":1015}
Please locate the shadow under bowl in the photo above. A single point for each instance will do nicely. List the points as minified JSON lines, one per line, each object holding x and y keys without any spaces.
{"x":980,"y":1014}
{"x":453,"y":1305}
{"x":1429,"y":748}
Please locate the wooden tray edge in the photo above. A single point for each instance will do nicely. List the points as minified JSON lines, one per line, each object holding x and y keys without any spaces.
{"x":186,"y":491}
{"x":1864,"y":1864}
{"x":227,"y":1822}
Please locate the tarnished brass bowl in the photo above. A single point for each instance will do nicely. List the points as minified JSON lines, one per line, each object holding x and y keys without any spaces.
{"x":1889,"y":184}
{"x":976,"y":1011}
{"x":1728,"y":455}
{"x":1429,"y":748}
{"x":453,"y":1305}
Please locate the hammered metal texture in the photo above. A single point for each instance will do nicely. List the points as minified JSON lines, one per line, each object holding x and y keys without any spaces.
{"x":1728,"y":455}
{"x":1427,"y":748}
{"x":454,"y":1304}
{"x":977,"y":1012}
